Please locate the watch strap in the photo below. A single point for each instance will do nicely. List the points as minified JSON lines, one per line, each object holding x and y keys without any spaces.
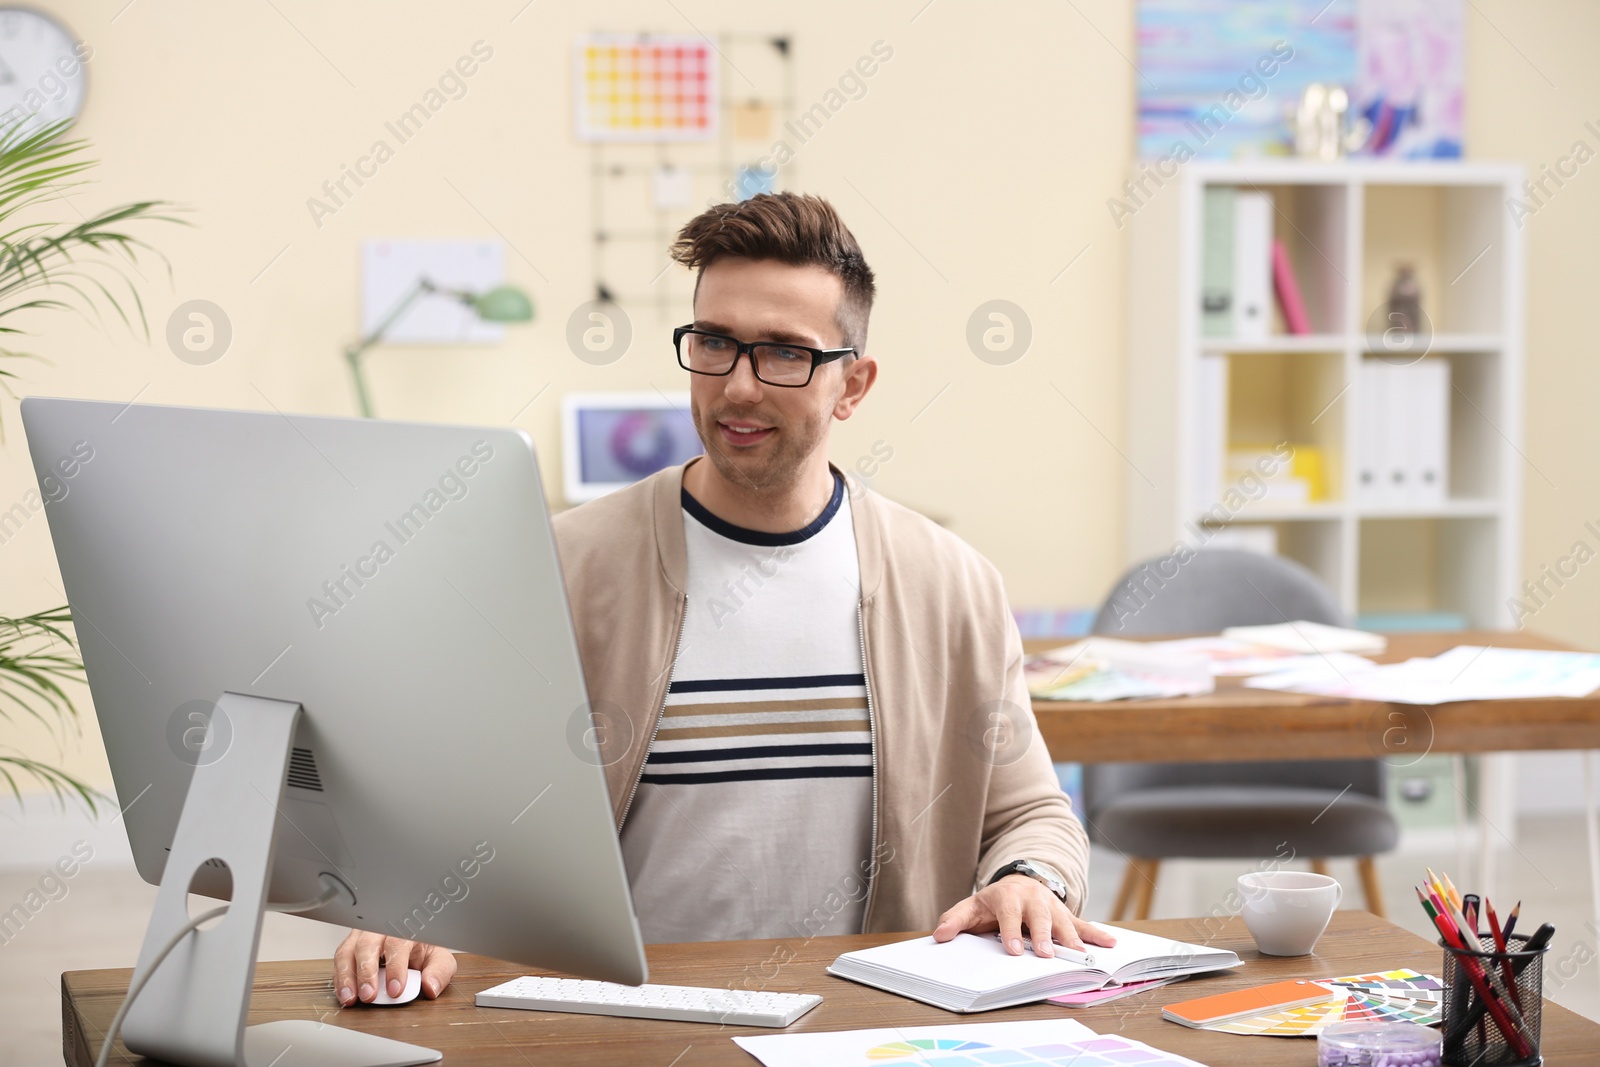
{"x":1057,"y":888}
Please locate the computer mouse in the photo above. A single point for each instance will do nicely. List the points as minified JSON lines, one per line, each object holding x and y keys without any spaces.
{"x":407,"y":995}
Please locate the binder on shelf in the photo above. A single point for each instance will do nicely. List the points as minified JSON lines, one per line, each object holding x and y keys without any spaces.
{"x":1426,"y":388}
{"x":1252,"y":264}
{"x":1393,"y":469}
{"x":1216,"y":267}
{"x":1370,"y":447}
{"x":1212,"y":426}
{"x":1290,"y":300}
{"x":1403,"y":434}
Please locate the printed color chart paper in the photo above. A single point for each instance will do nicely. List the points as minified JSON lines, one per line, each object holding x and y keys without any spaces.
{"x":636,"y":88}
{"x":1048,"y":1043}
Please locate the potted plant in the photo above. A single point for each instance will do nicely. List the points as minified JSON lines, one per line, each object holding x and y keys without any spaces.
{"x":48,"y":266}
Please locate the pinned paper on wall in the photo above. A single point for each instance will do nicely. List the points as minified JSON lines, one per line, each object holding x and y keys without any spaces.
{"x":630,"y":87}
{"x":752,"y":120}
{"x":673,"y":187}
{"x":390,"y":270}
{"x":752,"y":181}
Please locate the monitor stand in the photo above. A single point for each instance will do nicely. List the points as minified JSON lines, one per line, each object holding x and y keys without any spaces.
{"x":192,"y":1010}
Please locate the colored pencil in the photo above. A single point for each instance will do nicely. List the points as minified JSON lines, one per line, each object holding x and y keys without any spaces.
{"x":1511,"y":920}
{"x":1455,"y":896}
{"x":1433,"y":881}
{"x":1500,"y":947}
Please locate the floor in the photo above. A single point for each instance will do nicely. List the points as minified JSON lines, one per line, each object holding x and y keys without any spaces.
{"x":99,"y":922}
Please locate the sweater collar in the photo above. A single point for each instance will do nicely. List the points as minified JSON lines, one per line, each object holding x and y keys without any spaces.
{"x":673,"y":555}
{"x":718,"y":525}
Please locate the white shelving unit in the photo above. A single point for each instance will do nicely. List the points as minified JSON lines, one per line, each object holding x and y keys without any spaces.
{"x":1345,"y":226}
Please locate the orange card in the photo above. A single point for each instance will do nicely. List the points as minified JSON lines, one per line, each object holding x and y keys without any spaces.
{"x":1203,"y":1011}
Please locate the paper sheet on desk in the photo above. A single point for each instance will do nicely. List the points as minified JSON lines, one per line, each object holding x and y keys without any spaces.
{"x":1467,"y":672}
{"x":1123,"y":670}
{"x":1041,"y":1043}
{"x":1229,"y":657}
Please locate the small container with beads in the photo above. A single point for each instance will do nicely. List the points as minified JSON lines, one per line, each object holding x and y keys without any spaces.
{"x":1379,"y":1044}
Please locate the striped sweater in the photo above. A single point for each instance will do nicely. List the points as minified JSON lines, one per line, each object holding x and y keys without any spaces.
{"x":753,"y":817}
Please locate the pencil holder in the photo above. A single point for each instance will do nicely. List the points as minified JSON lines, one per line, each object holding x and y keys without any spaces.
{"x":1491,"y":999}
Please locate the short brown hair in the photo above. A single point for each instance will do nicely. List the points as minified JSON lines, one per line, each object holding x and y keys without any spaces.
{"x":792,"y":228}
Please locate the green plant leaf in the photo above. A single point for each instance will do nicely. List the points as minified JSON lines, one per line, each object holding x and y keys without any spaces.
{"x":47,"y":267}
{"x":62,"y":786}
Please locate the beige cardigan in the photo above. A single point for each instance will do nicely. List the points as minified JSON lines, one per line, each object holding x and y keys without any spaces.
{"x":962,"y":783}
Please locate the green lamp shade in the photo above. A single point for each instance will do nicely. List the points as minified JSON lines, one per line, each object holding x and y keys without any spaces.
{"x":504,"y":303}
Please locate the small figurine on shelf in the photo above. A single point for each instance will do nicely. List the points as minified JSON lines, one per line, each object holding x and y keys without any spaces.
{"x":1405,"y":300}
{"x":1322,"y":125}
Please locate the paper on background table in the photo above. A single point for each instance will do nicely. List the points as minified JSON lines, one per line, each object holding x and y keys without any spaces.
{"x":1108,"y":685}
{"x":1129,"y":669}
{"x":1231,"y":658}
{"x":1309,"y":637}
{"x":1466,"y":672}
{"x":1034,"y":1044}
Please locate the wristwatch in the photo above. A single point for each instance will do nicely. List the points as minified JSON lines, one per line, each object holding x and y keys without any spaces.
{"x":1032,"y":871}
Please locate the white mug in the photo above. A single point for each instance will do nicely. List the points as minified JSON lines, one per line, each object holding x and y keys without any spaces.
{"x":1287,"y":911}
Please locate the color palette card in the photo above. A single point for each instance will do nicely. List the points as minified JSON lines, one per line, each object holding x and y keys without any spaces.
{"x":1305,"y":1021}
{"x":1205,"y":1012}
{"x":1391,"y":996}
{"x":1403,"y":982}
{"x":1054,"y":1043}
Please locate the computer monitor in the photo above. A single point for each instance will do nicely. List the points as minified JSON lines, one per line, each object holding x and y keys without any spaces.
{"x":331,"y":652}
{"x":611,"y":440}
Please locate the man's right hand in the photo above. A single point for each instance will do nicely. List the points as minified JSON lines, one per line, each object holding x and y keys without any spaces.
{"x":362,"y":958}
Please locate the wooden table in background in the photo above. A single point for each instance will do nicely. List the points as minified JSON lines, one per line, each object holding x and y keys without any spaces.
{"x":1236,"y":723}
{"x":1355,"y":943}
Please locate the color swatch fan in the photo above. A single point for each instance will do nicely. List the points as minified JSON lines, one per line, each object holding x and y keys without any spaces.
{"x":638,"y":88}
{"x":1392,"y":996}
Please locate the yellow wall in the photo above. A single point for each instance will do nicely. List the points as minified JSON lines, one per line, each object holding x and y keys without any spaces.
{"x":976,"y":167}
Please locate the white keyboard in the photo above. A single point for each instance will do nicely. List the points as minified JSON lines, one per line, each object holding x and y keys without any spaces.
{"x":692,"y":1004}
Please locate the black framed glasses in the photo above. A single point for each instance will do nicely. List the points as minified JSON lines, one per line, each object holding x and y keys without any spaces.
{"x":775,"y":363}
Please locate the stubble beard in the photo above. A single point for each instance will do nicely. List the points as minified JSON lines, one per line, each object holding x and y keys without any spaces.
{"x":777,"y":470}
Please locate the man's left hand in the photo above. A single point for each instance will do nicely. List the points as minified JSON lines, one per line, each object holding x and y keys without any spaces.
{"x":1014,"y":902}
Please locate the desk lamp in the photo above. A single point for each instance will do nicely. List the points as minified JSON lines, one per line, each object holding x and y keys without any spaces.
{"x":503,"y":303}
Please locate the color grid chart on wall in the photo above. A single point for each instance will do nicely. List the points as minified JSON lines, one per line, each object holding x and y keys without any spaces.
{"x":645,"y":88}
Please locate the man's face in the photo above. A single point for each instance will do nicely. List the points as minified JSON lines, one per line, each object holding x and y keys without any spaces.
{"x":761,"y":436}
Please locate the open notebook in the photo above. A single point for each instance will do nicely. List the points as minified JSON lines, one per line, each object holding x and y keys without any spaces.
{"x":974,"y":972}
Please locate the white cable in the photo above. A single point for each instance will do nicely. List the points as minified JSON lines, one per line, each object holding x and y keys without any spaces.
{"x":140,"y":980}
{"x":332,"y":891}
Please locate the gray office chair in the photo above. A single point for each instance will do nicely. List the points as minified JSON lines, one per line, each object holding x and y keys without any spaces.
{"x":1155,"y":811}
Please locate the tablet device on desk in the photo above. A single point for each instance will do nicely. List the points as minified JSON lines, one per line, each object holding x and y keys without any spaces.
{"x":332,"y":661}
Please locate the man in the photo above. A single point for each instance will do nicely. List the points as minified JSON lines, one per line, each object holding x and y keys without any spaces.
{"x":810,"y":701}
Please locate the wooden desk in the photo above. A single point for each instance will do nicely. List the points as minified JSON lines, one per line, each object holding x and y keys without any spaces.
{"x":1355,"y":943}
{"x":1236,"y":723}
